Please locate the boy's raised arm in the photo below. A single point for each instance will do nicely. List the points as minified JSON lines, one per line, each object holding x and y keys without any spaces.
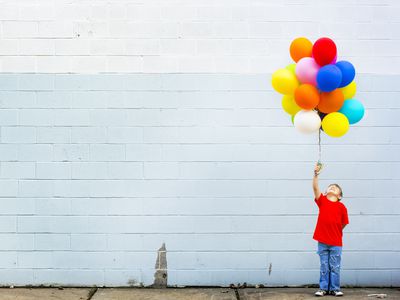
{"x":316,"y":189}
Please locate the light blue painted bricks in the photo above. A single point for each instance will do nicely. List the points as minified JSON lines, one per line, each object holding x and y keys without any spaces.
{"x":97,"y":171}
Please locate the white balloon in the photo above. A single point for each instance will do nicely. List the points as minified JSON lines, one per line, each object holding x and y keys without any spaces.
{"x":307,"y":121}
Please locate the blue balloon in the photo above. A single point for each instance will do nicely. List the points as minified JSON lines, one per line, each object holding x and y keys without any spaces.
{"x":353,"y":110}
{"x":329,"y":78}
{"x":348,"y":72}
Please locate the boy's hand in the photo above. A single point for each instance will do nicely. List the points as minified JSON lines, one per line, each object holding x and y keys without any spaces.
{"x":318,"y":168}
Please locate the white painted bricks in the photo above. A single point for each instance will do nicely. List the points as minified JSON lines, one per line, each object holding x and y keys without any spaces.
{"x":97,"y":171}
{"x":183,"y":142}
{"x":191,"y":36}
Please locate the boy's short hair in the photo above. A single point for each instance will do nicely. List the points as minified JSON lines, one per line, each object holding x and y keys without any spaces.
{"x":340,"y":189}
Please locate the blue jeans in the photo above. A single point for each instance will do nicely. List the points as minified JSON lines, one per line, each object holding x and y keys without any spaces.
{"x":330,"y":258}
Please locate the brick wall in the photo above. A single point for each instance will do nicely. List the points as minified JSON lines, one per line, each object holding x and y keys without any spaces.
{"x":127,"y":125}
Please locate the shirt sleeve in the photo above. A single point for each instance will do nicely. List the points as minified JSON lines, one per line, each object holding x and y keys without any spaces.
{"x":345,"y":217}
{"x":318,"y":200}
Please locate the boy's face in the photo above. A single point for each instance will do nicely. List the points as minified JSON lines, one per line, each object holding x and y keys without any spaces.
{"x":333,"y":190}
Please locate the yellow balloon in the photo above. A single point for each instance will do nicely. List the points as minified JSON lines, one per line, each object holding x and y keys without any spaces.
{"x":289,"y":105}
{"x":284,"y":82}
{"x":335,"y":124}
{"x":349,"y":90}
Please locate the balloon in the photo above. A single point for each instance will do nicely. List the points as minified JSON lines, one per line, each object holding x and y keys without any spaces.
{"x":289,"y":105}
{"x":353,"y":110}
{"x":284,"y":81}
{"x":329,"y":78}
{"x":324,"y":51}
{"x":348,"y":72}
{"x":306,"y":70}
{"x":291,"y":68}
{"x":331,"y":101}
{"x":334,"y":60}
{"x":335,"y":124}
{"x":306,"y":96}
{"x":299,"y":48}
{"x":307,"y":121}
{"x":349,"y":90}
{"x":292,"y":118}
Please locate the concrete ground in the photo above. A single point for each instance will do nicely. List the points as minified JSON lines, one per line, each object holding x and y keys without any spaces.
{"x":185,"y":293}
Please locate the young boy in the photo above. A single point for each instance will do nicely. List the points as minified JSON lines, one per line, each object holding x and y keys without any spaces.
{"x":332,"y":218}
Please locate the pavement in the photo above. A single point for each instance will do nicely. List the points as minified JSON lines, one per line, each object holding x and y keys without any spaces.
{"x":188,"y":293}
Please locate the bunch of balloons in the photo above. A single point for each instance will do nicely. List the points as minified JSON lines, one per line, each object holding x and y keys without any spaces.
{"x":318,"y":90}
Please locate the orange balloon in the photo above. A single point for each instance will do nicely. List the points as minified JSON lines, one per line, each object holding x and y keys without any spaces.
{"x":331,"y":101}
{"x":299,"y":48}
{"x":306,"y":96}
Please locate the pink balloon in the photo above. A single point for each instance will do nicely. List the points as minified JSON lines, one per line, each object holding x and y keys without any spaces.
{"x":306,"y":70}
{"x":334,"y":60}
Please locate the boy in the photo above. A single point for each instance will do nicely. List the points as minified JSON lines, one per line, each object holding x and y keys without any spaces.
{"x":332,"y":218}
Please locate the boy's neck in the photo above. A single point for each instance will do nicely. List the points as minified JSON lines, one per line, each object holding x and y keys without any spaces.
{"x":332,"y":198}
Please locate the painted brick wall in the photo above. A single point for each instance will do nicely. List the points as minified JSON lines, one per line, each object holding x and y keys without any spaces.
{"x":126,"y":125}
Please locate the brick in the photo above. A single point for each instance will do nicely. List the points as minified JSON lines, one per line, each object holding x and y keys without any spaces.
{"x":36,"y":117}
{"x":35,"y":152}
{"x":53,"y":170}
{"x":52,"y":206}
{"x":88,"y":242}
{"x":9,"y":46}
{"x":8,"y":223}
{"x":18,"y":170}
{"x":51,"y":242}
{"x":8,"y":260}
{"x":89,"y":170}
{"x":108,"y":117}
{"x":37,"y":82}
{"x":35,"y":188}
{"x":88,"y":135}
{"x":71,"y":152}
{"x":72,"y":47}
{"x":124,"y":135}
{"x":107,"y":152}
{"x":8,"y":117}
{"x":36,"y":47}
{"x":17,"y":241}
{"x":19,"y":29}
{"x":55,"y":29}
{"x":57,"y":135}
{"x":19,"y":64}
{"x":18,"y":134}
{"x":17,"y":206}
{"x":164,"y":170}
{"x":71,"y":117}
{"x":125,"y":170}
{"x":142,"y":47}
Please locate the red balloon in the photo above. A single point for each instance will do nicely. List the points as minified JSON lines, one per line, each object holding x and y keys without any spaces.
{"x":324,"y":51}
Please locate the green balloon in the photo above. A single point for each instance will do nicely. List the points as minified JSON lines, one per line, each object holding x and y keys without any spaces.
{"x":292,"y":68}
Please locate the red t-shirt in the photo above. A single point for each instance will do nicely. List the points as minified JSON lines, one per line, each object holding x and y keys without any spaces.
{"x":331,"y":219}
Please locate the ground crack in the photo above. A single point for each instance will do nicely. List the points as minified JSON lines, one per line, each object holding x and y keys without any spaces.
{"x":236,"y":287}
{"x":91,"y":293}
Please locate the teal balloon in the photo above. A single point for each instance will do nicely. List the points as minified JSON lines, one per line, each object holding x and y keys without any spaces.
{"x":353,"y":110}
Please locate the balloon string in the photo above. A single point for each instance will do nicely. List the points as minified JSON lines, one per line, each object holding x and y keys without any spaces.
{"x":319,"y":145}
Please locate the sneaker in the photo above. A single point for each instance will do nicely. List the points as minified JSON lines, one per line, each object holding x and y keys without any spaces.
{"x":320,"y":293}
{"x":337,"y":293}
